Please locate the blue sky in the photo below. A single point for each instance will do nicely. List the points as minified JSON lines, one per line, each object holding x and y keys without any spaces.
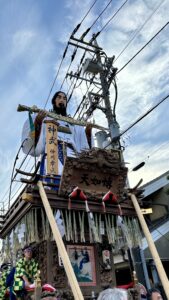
{"x":33,"y":36}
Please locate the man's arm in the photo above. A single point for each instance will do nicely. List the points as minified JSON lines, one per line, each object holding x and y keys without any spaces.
{"x":27,"y":283}
{"x":38,"y":125}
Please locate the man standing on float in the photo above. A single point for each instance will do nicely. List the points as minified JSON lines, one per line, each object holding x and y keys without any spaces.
{"x":74,"y":142}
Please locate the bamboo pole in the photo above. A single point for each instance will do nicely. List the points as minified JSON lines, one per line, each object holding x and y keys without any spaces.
{"x":59,"y":117}
{"x":60,"y":245}
{"x":152,"y":247}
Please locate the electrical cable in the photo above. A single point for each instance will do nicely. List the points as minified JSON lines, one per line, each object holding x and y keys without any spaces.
{"x":155,"y":151}
{"x":148,"y":156}
{"x":64,"y":54}
{"x":75,"y":50}
{"x":21,"y":184}
{"x":13,"y":180}
{"x":139,"y":30}
{"x":143,"y":47}
{"x":65,"y":51}
{"x":78,"y":75}
{"x":88,"y":12}
{"x":56,"y":76}
{"x":144,"y":115}
{"x":72,"y":59}
{"x":116,"y":96}
{"x":74,"y":53}
{"x":82,"y":37}
{"x":16,"y":158}
{"x":94,"y":38}
{"x":84,"y":97}
{"x":137,"y":121}
{"x":88,"y":29}
{"x":99,"y":32}
{"x":138,"y":51}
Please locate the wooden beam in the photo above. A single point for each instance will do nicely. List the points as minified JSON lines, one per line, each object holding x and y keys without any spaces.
{"x":60,"y":245}
{"x":152,"y":247}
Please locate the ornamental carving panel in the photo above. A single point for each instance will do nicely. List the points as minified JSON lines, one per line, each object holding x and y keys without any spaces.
{"x":95,"y":172}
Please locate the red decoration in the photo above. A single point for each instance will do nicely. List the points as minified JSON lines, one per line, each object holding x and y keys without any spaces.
{"x":109,"y":196}
{"x":77,"y":194}
{"x":126,"y":286}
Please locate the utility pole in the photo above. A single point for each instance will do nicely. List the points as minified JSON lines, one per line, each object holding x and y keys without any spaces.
{"x":107,"y":74}
{"x":106,"y":77}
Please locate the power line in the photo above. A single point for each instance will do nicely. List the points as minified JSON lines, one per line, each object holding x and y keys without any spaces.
{"x":149,"y":156}
{"x":78,"y":74}
{"x":72,"y":59}
{"x":151,"y":153}
{"x":65,"y":51}
{"x":144,"y":115}
{"x":88,"y":12}
{"x":98,"y":33}
{"x":82,"y":37}
{"x":84,"y":97}
{"x":143,"y":48}
{"x":16,"y":158}
{"x":138,"y":120}
{"x":56,"y":76}
{"x":13,"y":180}
{"x":139,"y":30}
{"x":64,"y":54}
{"x":88,"y":29}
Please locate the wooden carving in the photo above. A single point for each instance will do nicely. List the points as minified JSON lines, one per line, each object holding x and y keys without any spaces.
{"x":95,"y":172}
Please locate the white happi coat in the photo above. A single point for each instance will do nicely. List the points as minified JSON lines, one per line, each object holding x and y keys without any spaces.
{"x":77,"y":139}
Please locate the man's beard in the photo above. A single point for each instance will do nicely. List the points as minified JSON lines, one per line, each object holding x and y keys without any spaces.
{"x":61,"y":110}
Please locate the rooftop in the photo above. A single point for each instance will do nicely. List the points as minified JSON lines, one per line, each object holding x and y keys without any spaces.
{"x":155,"y":184}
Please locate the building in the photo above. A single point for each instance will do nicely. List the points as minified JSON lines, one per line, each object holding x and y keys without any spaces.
{"x":156,"y":195}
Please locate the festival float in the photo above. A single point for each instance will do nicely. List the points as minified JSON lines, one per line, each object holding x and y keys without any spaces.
{"x":83,"y":222}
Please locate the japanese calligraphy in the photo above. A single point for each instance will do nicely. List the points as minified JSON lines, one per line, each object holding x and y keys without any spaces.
{"x":51,"y":146}
{"x":93,"y":180}
{"x":51,"y":129}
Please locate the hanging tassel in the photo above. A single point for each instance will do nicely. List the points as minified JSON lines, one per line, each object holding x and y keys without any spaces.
{"x":104,"y":207}
{"x":120,"y":210}
{"x":69,"y":204}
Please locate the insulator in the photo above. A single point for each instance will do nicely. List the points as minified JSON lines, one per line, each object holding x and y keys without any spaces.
{"x":73,"y":55}
{"x":65,"y":51}
{"x":85,"y":33}
{"x":75,"y":30}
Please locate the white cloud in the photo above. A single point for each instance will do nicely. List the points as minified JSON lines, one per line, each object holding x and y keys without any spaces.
{"x":22,"y":41}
